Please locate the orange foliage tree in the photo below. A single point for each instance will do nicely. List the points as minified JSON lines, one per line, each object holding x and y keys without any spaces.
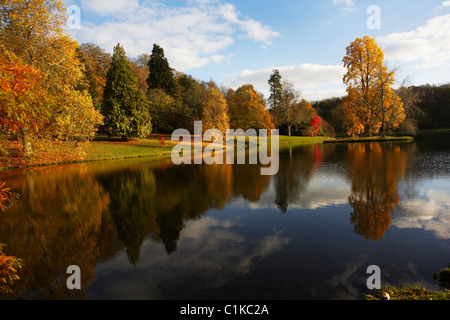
{"x":9,"y":268}
{"x":43,"y":59}
{"x":247,"y":109}
{"x":215,"y":110}
{"x":21,"y":97}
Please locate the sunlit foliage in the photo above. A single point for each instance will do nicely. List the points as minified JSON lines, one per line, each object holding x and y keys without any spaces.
{"x":372,"y":105}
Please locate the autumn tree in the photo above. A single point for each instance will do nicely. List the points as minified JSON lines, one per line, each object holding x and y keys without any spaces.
{"x":21,"y":99}
{"x":372,"y":104}
{"x":141,"y":74}
{"x":124,"y":106}
{"x":192,"y":93}
{"x":215,"y":110}
{"x":161,"y":74}
{"x":96,"y":62}
{"x":291,"y":109}
{"x":33,"y":34}
{"x":161,"y":105}
{"x":390,"y":110}
{"x":316,"y":124}
{"x":247,"y":109}
{"x":364,"y":61}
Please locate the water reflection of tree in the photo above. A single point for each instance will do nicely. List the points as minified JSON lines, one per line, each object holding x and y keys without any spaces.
{"x":55,"y":224}
{"x":78,"y":215}
{"x":374,"y":170}
{"x":157,"y":203}
{"x":248,"y":182}
{"x":132,"y":194}
{"x":297,"y":167}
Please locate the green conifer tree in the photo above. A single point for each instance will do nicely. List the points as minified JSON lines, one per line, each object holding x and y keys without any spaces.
{"x":125,"y":107}
{"x":161,"y":74}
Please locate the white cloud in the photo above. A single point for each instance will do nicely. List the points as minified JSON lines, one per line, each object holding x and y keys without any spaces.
{"x":253,"y":29}
{"x":346,"y":2}
{"x":110,"y":7}
{"x":446,"y":4}
{"x":348,"y":5}
{"x":428,"y":45}
{"x":315,"y":81}
{"x":193,"y":36}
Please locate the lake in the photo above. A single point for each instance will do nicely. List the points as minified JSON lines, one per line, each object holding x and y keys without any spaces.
{"x":140,"y":229}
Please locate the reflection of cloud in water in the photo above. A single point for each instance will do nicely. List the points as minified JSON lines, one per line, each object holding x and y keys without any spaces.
{"x":210,"y":254}
{"x":345,"y":281}
{"x":429,"y":210}
{"x":323,"y":191}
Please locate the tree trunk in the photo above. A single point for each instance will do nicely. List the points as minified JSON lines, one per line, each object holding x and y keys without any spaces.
{"x":383,"y":131}
{"x":366,"y":131}
{"x":124,"y":138}
{"x":26,"y":142}
{"x":290,"y":131}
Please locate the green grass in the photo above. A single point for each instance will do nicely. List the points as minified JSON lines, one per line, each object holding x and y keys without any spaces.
{"x":285,"y":140}
{"x":110,"y":149}
{"x":407,"y":293}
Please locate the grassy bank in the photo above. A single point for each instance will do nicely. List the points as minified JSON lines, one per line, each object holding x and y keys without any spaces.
{"x":104,"y":148}
{"x":286,"y":141}
{"x":101,"y":148}
{"x":111,"y":149}
{"x":408,"y":293}
{"x":371,"y":139}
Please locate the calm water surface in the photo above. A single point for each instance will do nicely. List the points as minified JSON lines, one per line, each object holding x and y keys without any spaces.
{"x":146,"y":230}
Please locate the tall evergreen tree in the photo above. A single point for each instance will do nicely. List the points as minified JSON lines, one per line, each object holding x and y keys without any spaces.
{"x":124,"y":106}
{"x":161,"y":75}
{"x":276,"y":88}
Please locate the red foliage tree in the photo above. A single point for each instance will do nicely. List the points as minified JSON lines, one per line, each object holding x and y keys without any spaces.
{"x":316,"y":124}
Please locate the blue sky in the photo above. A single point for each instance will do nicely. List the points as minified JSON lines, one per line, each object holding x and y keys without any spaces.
{"x":238,"y":42}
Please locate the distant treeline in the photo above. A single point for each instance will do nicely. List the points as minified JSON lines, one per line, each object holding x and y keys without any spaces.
{"x":434,"y":101}
{"x":432,"y":110}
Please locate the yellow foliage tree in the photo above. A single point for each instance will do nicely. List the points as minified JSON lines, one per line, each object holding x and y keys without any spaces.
{"x":215,"y":111}
{"x":34,"y":33}
{"x":391,"y":110}
{"x":372,"y":104}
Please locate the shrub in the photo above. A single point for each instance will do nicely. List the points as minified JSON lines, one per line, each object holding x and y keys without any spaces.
{"x":306,"y":133}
